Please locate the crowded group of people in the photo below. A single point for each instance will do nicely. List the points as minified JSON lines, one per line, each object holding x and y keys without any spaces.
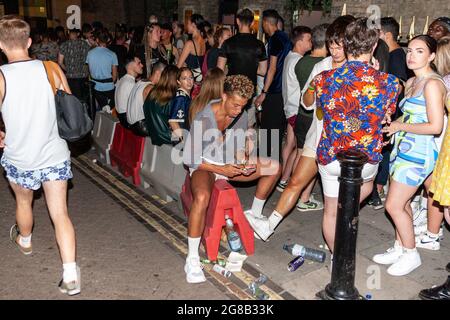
{"x":315,"y":93}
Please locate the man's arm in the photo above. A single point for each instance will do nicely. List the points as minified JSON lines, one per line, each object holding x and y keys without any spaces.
{"x":221,"y":62}
{"x":114,"y":73}
{"x":262,"y":68}
{"x":61,"y":61}
{"x":269,"y":79}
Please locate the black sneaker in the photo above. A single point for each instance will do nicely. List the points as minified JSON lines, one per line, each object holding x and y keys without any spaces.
{"x":376,"y":202}
{"x":437,"y":293}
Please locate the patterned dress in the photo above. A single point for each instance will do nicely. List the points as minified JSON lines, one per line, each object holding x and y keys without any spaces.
{"x":414,"y":156}
{"x":441,"y":176}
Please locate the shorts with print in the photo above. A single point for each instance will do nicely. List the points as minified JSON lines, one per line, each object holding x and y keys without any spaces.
{"x":33,"y":179}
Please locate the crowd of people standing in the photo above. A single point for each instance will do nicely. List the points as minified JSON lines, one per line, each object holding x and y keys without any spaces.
{"x":336,"y":87}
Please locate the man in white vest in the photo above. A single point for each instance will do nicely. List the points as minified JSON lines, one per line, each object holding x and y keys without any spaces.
{"x":34,"y":154}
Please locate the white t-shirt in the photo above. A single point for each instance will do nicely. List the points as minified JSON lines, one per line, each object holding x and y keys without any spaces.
{"x":123,"y":90}
{"x":32,"y":140}
{"x":135,"y":104}
{"x":315,"y":131}
{"x":290,"y":85}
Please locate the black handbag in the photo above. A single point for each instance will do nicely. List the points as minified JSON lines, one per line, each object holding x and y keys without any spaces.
{"x":71,"y":114}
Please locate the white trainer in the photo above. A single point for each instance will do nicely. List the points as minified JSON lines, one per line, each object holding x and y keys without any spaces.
{"x":406,"y":264}
{"x":250,"y":213}
{"x":260,"y":226}
{"x":420,"y":229}
{"x":426,"y":242}
{"x":392,"y":255}
{"x":193,"y":269}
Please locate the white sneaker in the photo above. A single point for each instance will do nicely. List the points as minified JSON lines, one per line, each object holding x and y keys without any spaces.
{"x":419,"y":215}
{"x":193,"y":269}
{"x":420,"y":229}
{"x":406,"y":264}
{"x":426,"y":242}
{"x":250,"y":213}
{"x":392,"y":255}
{"x":260,"y":226}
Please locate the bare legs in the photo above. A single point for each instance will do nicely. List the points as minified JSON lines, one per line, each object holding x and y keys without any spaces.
{"x":304,"y":173}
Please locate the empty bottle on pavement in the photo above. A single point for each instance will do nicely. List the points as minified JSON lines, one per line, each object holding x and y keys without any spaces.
{"x":222,"y":271}
{"x":305,"y":252}
{"x":295,"y":264}
{"x":234,"y":240}
{"x":255,"y":288}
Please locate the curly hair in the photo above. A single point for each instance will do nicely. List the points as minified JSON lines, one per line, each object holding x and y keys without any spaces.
{"x":240,"y":85}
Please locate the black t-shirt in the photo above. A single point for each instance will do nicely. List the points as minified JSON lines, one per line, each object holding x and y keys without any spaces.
{"x":121,"y":52}
{"x":397,"y":64}
{"x":279,"y":46}
{"x":243,"y":53}
{"x":398,"y":68}
{"x":213,"y":55}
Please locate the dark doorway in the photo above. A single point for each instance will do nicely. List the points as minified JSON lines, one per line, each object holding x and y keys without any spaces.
{"x":227,"y":8}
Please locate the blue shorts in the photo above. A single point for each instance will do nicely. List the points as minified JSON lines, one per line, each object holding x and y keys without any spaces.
{"x":33,"y":179}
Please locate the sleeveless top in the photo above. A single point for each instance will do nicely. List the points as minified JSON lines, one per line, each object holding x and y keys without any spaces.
{"x":195,"y":62}
{"x":414,"y":155}
{"x":32,"y":141}
{"x":135,"y":105}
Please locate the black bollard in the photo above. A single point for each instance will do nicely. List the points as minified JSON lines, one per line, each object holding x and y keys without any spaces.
{"x":342,"y":285}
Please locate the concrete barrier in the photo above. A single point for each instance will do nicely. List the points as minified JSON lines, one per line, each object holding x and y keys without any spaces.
{"x":103,"y":133}
{"x":160,"y":172}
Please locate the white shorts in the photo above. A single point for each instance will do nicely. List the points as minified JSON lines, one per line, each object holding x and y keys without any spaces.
{"x":216,"y":175}
{"x":332,"y":171}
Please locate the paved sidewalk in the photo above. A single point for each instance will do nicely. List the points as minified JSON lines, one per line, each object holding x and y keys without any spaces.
{"x":119,"y":257}
{"x":131,"y":247}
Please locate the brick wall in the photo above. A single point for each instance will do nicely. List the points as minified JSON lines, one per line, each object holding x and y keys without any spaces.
{"x":396,"y":8}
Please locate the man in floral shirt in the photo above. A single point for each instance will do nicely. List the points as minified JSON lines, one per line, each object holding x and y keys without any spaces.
{"x":355,"y":98}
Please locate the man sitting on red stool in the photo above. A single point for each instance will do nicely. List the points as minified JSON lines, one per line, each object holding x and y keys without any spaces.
{"x":217,"y":148}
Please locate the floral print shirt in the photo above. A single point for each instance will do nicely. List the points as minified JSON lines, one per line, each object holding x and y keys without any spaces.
{"x":354,"y":99}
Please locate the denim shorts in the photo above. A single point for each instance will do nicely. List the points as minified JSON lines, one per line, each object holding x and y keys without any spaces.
{"x":33,"y":179}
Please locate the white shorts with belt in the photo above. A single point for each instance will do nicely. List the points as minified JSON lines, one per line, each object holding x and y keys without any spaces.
{"x":332,"y":171}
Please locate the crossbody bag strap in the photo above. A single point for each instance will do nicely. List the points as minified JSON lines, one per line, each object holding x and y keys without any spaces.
{"x":52,"y":68}
{"x":50,"y":75}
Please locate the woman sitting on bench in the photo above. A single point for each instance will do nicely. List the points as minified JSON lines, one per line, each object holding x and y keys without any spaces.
{"x":218,"y":147}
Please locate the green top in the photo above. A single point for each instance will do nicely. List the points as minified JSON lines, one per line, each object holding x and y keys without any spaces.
{"x":303,"y":69}
{"x":157,"y":122}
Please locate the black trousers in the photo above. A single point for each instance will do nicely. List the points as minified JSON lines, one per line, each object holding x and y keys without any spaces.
{"x":273,"y":119}
{"x":78,"y":88}
{"x":103,"y":98}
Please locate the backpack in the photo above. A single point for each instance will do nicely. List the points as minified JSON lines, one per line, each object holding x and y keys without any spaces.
{"x":71,"y":114}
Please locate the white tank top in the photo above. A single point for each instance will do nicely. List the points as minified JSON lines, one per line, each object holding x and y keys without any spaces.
{"x":135,"y":105}
{"x":32,"y":141}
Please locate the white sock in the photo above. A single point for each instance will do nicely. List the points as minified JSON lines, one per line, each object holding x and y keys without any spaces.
{"x":406,"y":250}
{"x":193,"y":246}
{"x":432,"y":235}
{"x":397,"y":244}
{"x":25,"y":241}
{"x":70,"y":272}
{"x":274,"y":220}
{"x":257,"y":206}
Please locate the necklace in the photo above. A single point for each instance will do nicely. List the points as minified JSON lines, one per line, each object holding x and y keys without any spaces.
{"x":421,"y":78}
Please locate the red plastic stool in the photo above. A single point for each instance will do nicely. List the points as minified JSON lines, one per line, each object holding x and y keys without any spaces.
{"x":127,"y":153}
{"x":224,"y":201}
